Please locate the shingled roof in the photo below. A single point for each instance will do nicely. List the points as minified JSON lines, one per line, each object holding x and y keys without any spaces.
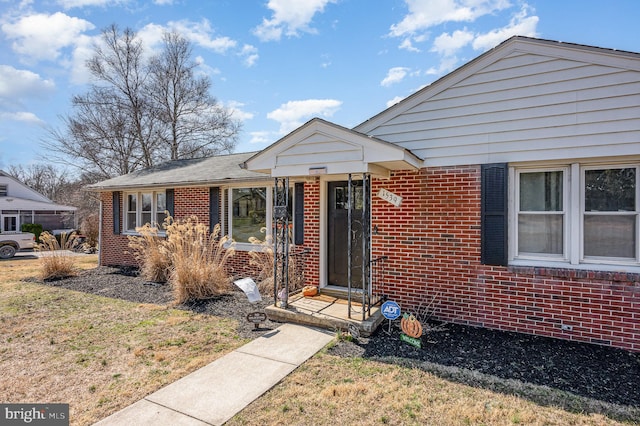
{"x":194,"y":172}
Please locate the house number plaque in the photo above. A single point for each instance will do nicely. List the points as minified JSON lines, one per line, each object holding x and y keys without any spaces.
{"x":394,"y":199}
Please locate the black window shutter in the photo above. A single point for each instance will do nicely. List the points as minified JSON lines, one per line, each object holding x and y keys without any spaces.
{"x":494,"y":218}
{"x":214,"y":207}
{"x":170,"y":199}
{"x":116,"y":212}
{"x":298,"y":215}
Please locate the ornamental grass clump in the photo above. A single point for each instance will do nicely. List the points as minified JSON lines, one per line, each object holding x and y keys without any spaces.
{"x":198,"y":260}
{"x":263,"y":260}
{"x":149,"y":249}
{"x":55,"y":260}
{"x":186,"y":256}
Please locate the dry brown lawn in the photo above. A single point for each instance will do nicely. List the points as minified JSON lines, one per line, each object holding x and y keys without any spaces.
{"x":100,"y":354}
{"x":331,"y":390}
{"x":97,"y":354}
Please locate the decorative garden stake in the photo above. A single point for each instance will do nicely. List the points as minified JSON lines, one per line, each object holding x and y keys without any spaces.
{"x":412,"y":330}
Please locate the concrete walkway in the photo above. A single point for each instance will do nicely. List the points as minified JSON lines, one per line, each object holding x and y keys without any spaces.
{"x":215,"y":393}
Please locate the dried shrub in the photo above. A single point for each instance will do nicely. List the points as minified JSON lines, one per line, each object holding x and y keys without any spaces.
{"x":55,"y":259}
{"x":263,"y":260}
{"x":149,"y":250}
{"x":198,"y":259}
{"x":90,"y":228}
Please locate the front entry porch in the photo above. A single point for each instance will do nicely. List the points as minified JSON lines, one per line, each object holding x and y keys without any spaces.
{"x":329,"y":311}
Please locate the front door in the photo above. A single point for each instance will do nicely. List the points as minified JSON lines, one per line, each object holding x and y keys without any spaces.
{"x":338,"y":238}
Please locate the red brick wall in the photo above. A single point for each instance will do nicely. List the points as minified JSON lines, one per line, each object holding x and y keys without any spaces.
{"x":432,"y":242}
{"x":433,"y":246}
{"x":114,"y":249}
{"x":187,"y":202}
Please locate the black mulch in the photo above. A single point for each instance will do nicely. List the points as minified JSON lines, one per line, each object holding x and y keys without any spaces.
{"x":575,"y":376}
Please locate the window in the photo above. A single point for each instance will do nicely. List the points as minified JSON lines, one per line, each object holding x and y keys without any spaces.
{"x":610,"y":214}
{"x":248,"y":213}
{"x":144,"y":207}
{"x":541,"y":215}
{"x":577,"y":214}
{"x":3,"y":190}
{"x":10,"y":223}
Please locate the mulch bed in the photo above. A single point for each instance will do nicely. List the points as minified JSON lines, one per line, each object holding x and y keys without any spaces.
{"x":575,"y":376}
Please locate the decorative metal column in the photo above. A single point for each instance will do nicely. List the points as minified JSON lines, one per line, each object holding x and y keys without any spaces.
{"x":281,"y":242}
{"x":359,"y":227}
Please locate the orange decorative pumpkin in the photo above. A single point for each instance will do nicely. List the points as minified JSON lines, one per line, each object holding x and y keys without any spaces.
{"x":411,"y":326}
{"x":309,"y":291}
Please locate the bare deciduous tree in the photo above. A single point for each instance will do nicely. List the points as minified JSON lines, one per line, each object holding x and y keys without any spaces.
{"x":140,"y":112}
{"x":44,"y":178}
{"x":192,"y":122}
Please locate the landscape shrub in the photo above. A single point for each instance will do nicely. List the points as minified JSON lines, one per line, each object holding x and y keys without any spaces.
{"x":149,"y":249}
{"x":34,"y":228}
{"x":187,"y":256}
{"x":55,"y":259}
{"x":263,"y":260}
{"x":198,"y":259}
{"x":90,"y":228}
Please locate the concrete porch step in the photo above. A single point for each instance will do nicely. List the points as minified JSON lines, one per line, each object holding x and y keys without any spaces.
{"x":327,"y":312}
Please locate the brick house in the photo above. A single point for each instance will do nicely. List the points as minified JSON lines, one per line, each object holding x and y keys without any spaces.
{"x":505,"y":194}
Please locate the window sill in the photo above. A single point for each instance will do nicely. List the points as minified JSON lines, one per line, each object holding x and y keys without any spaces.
{"x":137,"y":234}
{"x":245,"y":247}
{"x":593,"y":271}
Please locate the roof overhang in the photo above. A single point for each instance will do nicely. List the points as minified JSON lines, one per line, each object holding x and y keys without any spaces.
{"x":320,"y":147}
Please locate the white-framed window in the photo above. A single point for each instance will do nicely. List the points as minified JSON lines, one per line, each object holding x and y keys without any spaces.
{"x":541,"y":218}
{"x":144,"y":207}
{"x":576,"y":214}
{"x":250,"y":214}
{"x":609,"y":213}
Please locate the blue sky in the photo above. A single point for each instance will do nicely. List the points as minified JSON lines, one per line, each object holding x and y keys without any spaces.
{"x":279,"y":63}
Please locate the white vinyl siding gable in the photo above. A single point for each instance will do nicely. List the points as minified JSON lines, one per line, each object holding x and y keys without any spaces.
{"x":522,"y":107}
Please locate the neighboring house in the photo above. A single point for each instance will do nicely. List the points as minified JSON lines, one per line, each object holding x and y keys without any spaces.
{"x":503,"y":195}
{"x":20,"y":205}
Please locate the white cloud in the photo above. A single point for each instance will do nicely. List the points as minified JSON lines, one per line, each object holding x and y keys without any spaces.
{"x":394,"y":101}
{"x":289,"y":18}
{"x":424,"y":14}
{"x":237,"y":113}
{"x":407,"y":44}
{"x":448,"y":44}
{"x":250,"y":55}
{"x":21,"y":84}
{"x":70,"y":4}
{"x":447,"y":64}
{"x":198,"y":33}
{"x":294,"y":113}
{"x":521,"y":24}
{"x":21,"y":116}
{"x":42,"y":37}
{"x":262,"y":137}
{"x":394,"y":75}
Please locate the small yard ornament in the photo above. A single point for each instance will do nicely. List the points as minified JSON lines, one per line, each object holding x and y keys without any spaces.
{"x":412,"y":330}
{"x":310,"y":291}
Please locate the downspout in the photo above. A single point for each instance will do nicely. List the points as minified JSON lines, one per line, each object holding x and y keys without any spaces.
{"x":100,"y":234}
